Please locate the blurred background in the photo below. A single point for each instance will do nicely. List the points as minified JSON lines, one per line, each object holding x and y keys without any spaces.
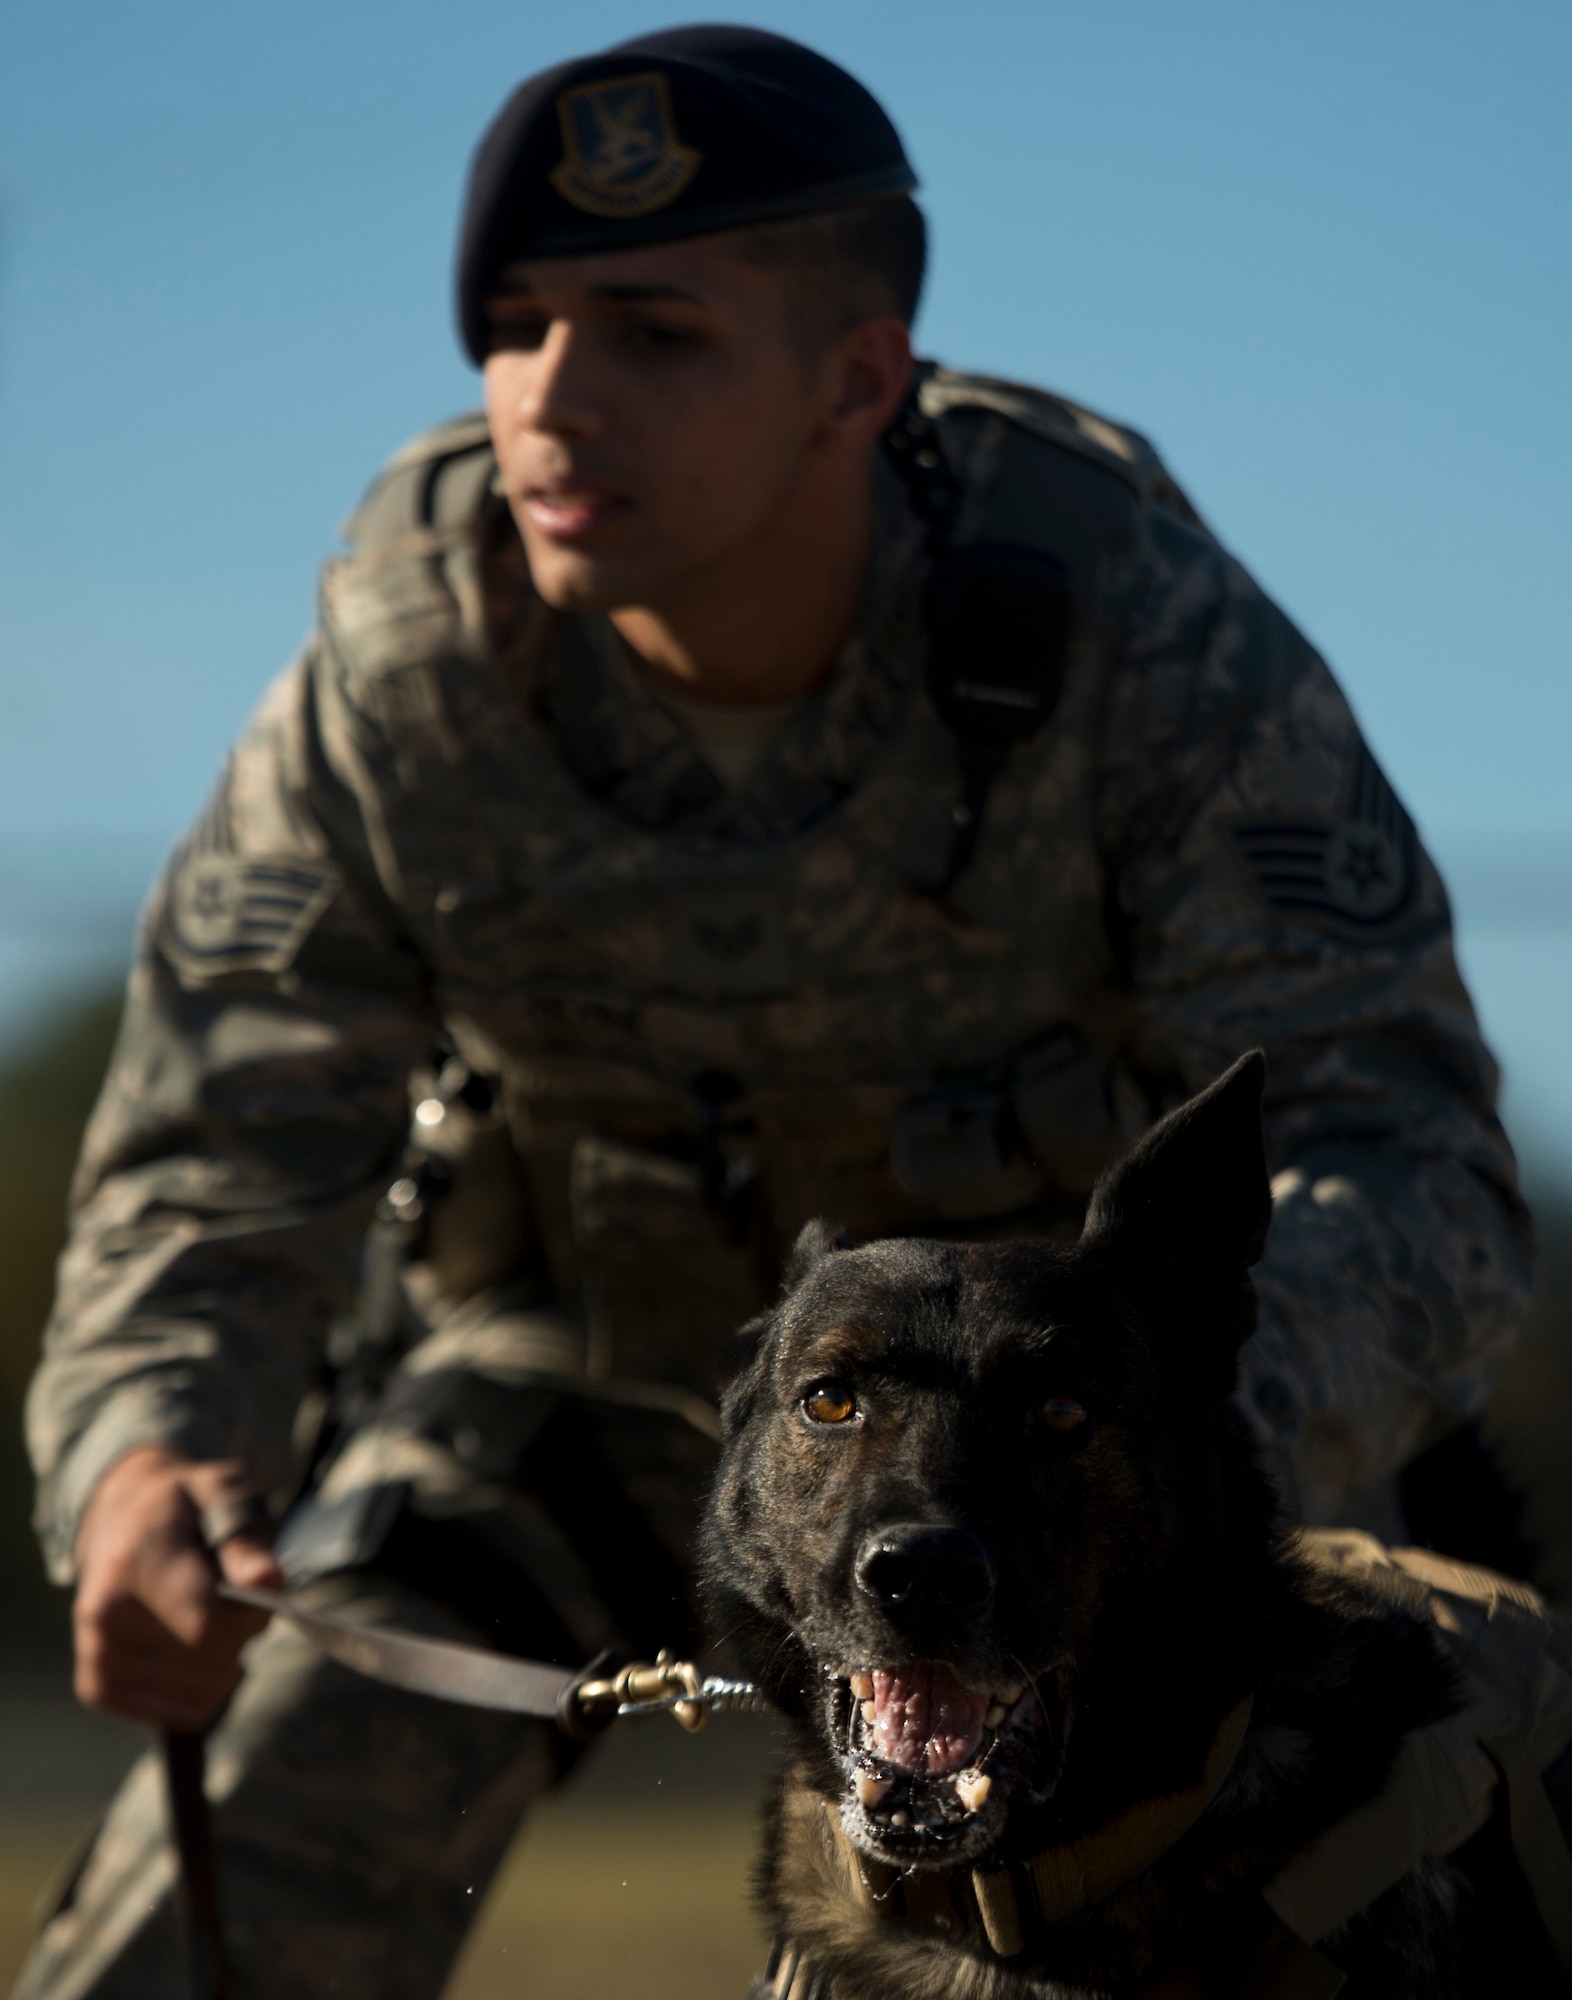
{"x":1320,"y":252}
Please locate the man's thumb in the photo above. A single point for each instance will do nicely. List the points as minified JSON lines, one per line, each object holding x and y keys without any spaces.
{"x":248,"y":1560}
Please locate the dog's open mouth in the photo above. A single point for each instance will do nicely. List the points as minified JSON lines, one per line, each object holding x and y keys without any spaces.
{"x":931,"y":1762}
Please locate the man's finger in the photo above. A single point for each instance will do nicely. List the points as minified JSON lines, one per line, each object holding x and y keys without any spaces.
{"x":247,"y":1559}
{"x":117,"y":1676}
{"x":136,"y":1683}
{"x":230,"y":1511}
{"x":156,"y":1705}
{"x":130,"y":1628}
{"x":181,"y":1594}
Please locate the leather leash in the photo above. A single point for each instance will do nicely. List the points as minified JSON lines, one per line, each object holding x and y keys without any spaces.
{"x":198,"y":1914}
{"x":196,"y":1891}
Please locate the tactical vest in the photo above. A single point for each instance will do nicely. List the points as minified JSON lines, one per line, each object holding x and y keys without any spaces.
{"x":701,"y":1045}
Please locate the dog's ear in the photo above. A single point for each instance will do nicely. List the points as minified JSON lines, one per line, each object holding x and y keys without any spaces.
{"x":1183,"y":1217}
{"x":738,"y":1370}
{"x":815,"y":1241}
{"x":745,"y":1353}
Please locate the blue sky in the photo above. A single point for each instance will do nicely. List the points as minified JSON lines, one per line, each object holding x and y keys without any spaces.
{"x":1320,"y":253}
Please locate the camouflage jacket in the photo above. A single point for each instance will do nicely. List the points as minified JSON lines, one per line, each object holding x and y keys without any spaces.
{"x":460,"y":817}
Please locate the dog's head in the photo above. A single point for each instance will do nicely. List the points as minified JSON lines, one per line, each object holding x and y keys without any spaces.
{"x":953,"y":1475}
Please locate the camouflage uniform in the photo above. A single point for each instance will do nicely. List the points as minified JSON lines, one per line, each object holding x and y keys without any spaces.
{"x":459,"y":817}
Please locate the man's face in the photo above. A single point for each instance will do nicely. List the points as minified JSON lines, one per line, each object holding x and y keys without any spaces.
{"x":652,"y":417}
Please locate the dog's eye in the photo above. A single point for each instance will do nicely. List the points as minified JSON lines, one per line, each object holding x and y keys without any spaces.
{"x":830,"y":1403}
{"x":1063,"y":1413}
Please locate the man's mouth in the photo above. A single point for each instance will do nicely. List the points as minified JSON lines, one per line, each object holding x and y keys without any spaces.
{"x":567,"y":513}
{"x":930,"y":1762}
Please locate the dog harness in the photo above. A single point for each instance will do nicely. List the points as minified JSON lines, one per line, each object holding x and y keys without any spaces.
{"x":1513,"y":1658}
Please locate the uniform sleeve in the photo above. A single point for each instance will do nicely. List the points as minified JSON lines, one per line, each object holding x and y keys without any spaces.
{"x":255,"y":1102}
{"x":1272,"y":892}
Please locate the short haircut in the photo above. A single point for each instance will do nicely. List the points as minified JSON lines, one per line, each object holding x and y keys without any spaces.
{"x":853,"y":263}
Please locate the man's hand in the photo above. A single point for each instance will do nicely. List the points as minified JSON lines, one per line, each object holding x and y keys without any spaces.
{"x":154,"y":1642}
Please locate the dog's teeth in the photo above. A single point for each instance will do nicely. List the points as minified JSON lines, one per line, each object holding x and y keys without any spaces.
{"x":871,"y":1789}
{"x":995,"y":1715}
{"x":1012,"y":1694}
{"x":870,"y":1713}
{"x":973,"y":1790}
{"x":899,"y":1819}
{"x":862,"y":1686}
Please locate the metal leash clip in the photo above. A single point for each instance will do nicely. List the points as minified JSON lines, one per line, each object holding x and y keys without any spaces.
{"x":677,"y":1685}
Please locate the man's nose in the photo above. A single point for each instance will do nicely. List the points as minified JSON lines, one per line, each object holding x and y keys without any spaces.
{"x":558,"y":395}
{"x":921,"y":1574}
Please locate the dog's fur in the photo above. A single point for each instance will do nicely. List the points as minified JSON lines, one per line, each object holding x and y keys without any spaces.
{"x":1142,"y":1584}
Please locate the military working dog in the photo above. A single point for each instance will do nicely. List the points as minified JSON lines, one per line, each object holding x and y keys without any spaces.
{"x":1070,"y":1701}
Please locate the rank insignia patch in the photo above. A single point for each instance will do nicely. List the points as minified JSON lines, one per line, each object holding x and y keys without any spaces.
{"x":232,"y":913}
{"x":1357,"y":875}
{"x":621,"y":156}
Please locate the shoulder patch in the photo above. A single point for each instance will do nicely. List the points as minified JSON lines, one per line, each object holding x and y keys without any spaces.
{"x":242,"y":913}
{"x":1357,"y":874}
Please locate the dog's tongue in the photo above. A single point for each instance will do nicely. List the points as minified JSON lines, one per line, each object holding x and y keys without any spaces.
{"x":925,"y":1720}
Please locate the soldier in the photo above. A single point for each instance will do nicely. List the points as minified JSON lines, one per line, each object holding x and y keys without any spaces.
{"x":742,"y":777}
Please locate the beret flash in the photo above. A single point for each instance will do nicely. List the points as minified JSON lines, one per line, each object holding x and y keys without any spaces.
{"x":669,"y":135}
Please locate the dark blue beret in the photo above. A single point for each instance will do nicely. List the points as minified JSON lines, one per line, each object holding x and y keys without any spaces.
{"x":673,"y":134}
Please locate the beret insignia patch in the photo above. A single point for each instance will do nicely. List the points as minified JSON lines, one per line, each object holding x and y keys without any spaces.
{"x":1357,"y":874}
{"x":233,"y":913}
{"x":621,"y":156}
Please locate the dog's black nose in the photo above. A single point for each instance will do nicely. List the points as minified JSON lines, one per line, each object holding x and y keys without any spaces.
{"x":917,"y":1573}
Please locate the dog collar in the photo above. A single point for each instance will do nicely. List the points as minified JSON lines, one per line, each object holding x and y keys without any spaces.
{"x":1004,"y":1906}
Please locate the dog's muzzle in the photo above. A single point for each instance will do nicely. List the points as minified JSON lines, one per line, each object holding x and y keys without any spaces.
{"x":932,"y":1763}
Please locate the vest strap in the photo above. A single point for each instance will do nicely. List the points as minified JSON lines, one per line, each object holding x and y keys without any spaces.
{"x":999,"y":621}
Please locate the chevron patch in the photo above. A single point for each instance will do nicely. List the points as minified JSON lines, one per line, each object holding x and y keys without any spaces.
{"x":239,"y":913}
{"x":1357,"y":875}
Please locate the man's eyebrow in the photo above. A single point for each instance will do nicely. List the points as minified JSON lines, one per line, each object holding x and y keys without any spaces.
{"x":619,"y":294}
{"x":643,"y":295}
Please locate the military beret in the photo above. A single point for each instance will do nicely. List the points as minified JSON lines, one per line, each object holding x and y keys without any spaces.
{"x":669,"y":135}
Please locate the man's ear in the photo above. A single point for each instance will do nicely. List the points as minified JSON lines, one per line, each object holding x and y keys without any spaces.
{"x":1183,"y":1217}
{"x":872,"y":374}
{"x":815,"y":1241}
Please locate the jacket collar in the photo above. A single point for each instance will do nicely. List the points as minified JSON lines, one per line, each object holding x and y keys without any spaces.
{"x":629,"y":749}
